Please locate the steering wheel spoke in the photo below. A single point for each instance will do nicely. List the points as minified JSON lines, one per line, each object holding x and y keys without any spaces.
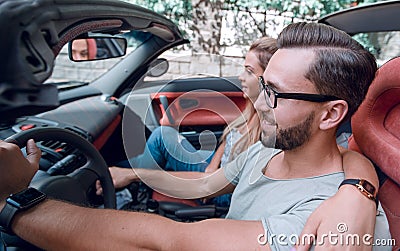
{"x":85,"y":177}
{"x":75,"y":186}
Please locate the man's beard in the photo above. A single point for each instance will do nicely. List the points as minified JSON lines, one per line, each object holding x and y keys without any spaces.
{"x":292,"y":137}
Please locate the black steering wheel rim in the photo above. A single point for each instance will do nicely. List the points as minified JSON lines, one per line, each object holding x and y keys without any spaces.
{"x":95,"y":162}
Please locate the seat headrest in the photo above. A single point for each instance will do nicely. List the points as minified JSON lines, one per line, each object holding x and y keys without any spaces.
{"x":376,"y":124}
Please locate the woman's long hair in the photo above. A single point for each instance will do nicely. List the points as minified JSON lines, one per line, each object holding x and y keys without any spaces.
{"x":264,"y":48}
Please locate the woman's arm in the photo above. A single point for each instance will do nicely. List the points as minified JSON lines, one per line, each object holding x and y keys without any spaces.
{"x":185,"y":185}
{"x":196,"y":184}
{"x":216,"y":160}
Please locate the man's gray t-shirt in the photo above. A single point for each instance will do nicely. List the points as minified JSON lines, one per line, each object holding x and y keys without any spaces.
{"x":283,"y":206}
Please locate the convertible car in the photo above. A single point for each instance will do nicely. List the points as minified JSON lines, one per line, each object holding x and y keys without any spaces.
{"x":88,"y":109}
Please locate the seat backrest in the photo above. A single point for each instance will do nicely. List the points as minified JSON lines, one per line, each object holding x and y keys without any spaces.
{"x":376,"y":134}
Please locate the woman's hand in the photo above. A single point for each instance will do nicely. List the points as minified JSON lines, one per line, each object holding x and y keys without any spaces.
{"x":121,"y":177}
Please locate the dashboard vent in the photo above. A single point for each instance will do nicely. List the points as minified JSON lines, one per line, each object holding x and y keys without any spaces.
{"x":80,"y":132}
{"x":58,"y":147}
{"x":60,"y":158}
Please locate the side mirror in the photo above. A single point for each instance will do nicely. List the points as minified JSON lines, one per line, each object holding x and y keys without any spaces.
{"x":158,"y":67}
{"x":96,"y":48}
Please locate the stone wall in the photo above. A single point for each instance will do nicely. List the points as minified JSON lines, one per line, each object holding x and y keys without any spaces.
{"x":183,"y":65}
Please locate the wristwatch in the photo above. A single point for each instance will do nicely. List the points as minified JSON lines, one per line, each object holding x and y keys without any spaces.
{"x":19,"y":202}
{"x":364,"y":186}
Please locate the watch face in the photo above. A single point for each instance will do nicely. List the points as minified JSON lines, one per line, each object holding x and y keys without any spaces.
{"x":26,"y":198}
{"x":369,"y":187}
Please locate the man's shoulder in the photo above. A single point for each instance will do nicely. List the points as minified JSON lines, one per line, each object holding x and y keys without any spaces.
{"x":351,"y":155}
{"x":258,"y":148}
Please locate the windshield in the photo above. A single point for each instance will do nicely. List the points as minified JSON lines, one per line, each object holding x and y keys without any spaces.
{"x":68,"y":74}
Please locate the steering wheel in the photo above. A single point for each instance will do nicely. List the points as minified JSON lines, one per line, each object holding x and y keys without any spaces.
{"x":73,"y":187}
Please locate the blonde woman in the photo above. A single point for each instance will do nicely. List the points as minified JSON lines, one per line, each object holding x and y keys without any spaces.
{"x":167,"y":149}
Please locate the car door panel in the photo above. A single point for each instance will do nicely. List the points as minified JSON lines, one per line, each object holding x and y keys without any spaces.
{"x":192,"y":105}
{"x":198,"y":108}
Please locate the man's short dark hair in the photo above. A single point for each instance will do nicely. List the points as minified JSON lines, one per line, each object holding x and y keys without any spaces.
{"x":342,"y":68}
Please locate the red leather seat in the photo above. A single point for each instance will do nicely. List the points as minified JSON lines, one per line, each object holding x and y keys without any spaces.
{"x":161,"y":197}
{"x":376,"y":134}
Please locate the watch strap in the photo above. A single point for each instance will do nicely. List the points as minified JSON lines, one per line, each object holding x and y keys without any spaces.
{"x":6,"y":217}
{"x":21,"y":201}
{"x":360,"y":184}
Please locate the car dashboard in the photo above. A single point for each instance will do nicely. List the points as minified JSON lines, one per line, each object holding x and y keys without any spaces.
{"x":90,"y":118}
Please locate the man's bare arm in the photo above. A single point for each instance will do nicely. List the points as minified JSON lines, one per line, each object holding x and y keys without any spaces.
{"x":55,"y":225}
{"x":347,"y":206}
{"x":357,"y":166}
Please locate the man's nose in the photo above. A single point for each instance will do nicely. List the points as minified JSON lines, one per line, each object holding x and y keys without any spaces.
{"x":261,"y":104}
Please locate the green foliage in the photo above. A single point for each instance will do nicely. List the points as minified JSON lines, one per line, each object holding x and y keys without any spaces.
{"x":255,"y":18}
{"x":366,"y":41}
{"x":178,"y":11}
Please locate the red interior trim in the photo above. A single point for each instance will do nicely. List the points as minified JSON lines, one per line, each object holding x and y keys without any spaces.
{"x":208,"y":108}
{"x":369,"y":122}
{"x":375,"y":129}
{"x":102,"y":139}
{"x":194,"y":94}
{"x":161,"y":197}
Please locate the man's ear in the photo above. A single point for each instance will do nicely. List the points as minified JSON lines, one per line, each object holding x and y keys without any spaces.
{"x":333,"y":114}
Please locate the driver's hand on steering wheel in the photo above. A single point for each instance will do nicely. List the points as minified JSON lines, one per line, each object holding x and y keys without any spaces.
{"x":16,"y":170}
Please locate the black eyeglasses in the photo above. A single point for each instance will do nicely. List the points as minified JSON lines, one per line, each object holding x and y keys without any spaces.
{"x":271,"y":96}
